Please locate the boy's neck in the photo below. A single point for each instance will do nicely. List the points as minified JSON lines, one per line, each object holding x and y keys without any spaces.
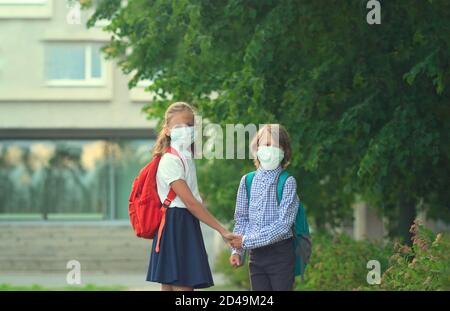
{"x":278,"y":168}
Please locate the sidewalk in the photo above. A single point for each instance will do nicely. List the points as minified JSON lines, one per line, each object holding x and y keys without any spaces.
{"x":132,"y":282}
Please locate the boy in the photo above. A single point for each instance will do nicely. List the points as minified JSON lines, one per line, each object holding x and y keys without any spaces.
{"x":264,"y":226}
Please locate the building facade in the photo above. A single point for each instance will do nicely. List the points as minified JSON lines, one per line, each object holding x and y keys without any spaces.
{"x":72,"y":134}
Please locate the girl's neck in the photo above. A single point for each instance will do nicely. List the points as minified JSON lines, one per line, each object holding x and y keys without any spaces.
{"x":182,"y":149}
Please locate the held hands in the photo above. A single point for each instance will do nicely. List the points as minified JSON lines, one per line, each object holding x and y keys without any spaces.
{"x":236,"y":242}
{"x":232,"y":239}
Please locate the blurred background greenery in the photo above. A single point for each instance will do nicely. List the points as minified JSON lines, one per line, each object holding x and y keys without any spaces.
{"x":366,"y":106}
{"x":338,"y":262}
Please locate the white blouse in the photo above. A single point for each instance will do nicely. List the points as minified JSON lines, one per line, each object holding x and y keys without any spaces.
{"x":170,"y":169}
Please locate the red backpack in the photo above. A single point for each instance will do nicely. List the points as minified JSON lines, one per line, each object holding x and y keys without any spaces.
{"x":147,"y":213}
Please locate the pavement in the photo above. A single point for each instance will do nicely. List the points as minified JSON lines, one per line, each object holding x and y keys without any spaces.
{"x":132,"y":282}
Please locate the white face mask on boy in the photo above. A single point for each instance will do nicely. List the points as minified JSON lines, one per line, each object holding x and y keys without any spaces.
{"x":269,"y":157}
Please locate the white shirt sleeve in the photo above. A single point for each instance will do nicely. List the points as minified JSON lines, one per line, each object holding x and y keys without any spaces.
{"x":170,"y":169}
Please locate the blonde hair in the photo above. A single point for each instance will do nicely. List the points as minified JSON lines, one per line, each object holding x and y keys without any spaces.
{"x":276,"y":131}
{"x":163,"y":141}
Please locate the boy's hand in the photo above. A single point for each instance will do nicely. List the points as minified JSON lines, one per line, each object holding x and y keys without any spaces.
{"x":235,"y":260}
{"x":236,"y":242}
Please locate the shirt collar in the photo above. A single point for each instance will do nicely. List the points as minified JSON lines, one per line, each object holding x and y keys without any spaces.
{"x":269,"y":173}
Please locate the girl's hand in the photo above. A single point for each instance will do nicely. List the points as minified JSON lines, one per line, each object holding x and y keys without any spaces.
{"x":236,"y":242}
{"x":235,"y":260}
{"x":228,"y":236}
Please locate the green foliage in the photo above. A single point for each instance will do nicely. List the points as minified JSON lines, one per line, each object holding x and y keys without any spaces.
{"x":339,"y":263}
{"x":366,"y":105}
{"x":424,"y":266}
{"x":219,"y":181}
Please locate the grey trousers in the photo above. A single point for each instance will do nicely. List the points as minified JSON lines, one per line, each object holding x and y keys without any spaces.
{"x":272,"y":267}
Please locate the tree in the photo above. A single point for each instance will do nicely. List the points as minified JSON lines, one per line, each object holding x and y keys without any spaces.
{"x":367,"y":106}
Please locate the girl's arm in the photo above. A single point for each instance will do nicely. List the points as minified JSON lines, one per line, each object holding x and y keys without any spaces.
{"x":196,"y":208}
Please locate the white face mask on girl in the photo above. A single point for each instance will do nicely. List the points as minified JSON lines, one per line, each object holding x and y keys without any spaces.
{"x":269,"y":157}
{"x":182,"y":136}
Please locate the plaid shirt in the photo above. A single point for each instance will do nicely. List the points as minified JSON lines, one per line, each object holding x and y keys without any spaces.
{"x":265,"y":222}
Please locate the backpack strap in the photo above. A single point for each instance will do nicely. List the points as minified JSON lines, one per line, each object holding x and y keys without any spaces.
{"x":281,"y":180}
{"x":166,"y":203}
{"x":171,"y":195}
{"x":248,"y":187}
{"x":282,"y":177}
{"x":175,"y":153}
{"x":248,"y":184}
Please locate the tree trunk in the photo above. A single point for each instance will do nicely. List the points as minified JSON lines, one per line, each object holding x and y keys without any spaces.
{"x":407,"y":215}
{"x":320,"y":224}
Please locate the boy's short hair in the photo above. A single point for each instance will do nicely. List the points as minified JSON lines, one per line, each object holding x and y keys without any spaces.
{"x":277,"y":132}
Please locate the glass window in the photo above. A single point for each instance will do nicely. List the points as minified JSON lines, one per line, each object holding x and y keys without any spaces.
{"x":96,"y":67}
{"x":69,"y":179}
{"x":65,"y":62}
{"x":73,"y":63}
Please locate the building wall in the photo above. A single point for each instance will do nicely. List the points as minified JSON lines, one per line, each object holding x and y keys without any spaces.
{"x":34,"y":110}
{"x":100,"y":247}
{"x":27,"y":100}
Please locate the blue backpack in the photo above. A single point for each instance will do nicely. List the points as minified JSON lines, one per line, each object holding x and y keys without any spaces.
{"x":300,"y":229}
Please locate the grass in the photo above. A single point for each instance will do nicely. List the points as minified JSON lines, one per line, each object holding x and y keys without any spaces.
{"x":224,"y":287}
{"x":92,"y":287}
{"x":35,"y":287}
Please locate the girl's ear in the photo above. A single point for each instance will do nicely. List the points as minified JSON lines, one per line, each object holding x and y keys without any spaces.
{"x":166,"y":131}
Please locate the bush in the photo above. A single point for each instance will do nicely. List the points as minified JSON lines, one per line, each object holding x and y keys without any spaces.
{"x":339,"y":263}
{"x":424,"y":266}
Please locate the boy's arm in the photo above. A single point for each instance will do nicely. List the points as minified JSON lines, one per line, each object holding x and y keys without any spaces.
{"x":273,"y":232}
{"x":241,"y":213}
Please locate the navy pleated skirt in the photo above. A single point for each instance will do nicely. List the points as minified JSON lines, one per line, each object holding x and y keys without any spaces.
{"x":182,"y":258}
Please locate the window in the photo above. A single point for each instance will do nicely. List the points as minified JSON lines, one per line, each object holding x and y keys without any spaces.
{"x":73,"y":64}
{"x":69,"y":179}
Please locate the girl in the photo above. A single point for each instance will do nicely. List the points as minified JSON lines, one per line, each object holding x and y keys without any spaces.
{"x":182,"y":262}
{"x":264,"y":225}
